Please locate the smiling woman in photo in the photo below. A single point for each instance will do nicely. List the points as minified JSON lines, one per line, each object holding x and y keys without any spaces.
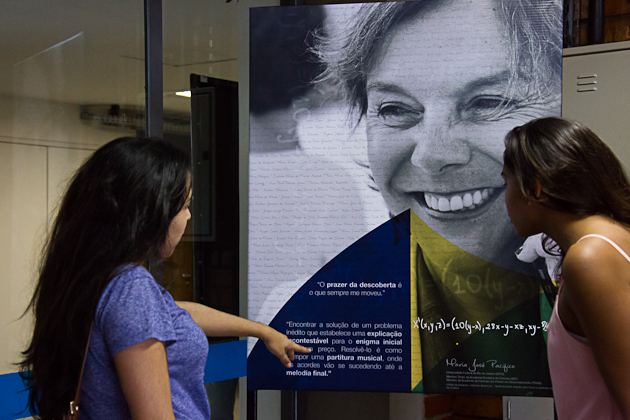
{"x":439,"y":84}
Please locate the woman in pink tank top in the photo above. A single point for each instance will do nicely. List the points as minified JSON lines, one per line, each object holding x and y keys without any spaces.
{"x":562,"y":180}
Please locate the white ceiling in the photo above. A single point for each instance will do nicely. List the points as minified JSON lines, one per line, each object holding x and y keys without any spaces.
{"x":92,"y":52}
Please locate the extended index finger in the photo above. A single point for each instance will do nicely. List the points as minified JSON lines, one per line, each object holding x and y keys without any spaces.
{"x":296,"y":347}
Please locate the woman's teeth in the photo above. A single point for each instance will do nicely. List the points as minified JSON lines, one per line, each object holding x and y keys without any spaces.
{"x":458,"y":202}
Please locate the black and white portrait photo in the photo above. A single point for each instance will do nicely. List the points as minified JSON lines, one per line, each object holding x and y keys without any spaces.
{"x":361,"y":112}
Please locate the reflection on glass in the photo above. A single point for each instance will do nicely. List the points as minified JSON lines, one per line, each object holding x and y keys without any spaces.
{"x":201,"y":38}
{"x":58,"y":60}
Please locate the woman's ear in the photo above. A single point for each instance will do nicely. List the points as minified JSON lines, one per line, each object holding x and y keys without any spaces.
{"x":539,"y":195}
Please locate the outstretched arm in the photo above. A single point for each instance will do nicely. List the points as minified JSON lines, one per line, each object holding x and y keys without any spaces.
{"x":217,"y":324}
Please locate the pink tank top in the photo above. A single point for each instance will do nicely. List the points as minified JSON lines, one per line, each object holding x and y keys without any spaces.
{"x":578,"y":388}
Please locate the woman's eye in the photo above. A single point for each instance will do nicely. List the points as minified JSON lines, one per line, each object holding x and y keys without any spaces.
{"x":488,"y":108}
{"x":489,"y":102}
{"x":399,"y":116}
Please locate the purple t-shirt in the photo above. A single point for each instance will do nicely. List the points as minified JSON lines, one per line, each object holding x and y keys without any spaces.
{"x":132,"y":309}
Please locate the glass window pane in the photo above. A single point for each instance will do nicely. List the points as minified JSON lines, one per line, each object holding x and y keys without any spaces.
{"x":71,"y":79}
{"x":201,"y":38}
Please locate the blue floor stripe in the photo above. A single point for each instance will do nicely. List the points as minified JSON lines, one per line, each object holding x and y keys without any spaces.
{"x":225,"y":361}
{"x":13,"y":398}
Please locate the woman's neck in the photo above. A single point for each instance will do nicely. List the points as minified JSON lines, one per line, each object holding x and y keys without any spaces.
{"x":566,"y":229}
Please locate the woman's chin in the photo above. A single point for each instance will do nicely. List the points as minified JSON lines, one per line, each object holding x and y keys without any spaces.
{"x":486,"y":234}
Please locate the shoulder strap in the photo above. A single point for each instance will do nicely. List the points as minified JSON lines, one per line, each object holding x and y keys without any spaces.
{"x":74,"y":405}
{"x":617,"y":247}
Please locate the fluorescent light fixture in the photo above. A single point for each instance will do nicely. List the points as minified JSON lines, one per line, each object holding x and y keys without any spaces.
{"x":185,"y":93}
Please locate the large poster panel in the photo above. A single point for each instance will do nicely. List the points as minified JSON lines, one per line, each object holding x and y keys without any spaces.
{"x":378,"y":233}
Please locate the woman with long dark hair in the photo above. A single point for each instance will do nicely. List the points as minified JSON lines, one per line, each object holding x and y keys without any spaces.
{"x":126,"y":206}
{"x":564,"y":181}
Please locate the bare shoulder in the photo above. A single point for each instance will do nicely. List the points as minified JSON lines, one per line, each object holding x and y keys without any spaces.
{"x":594,"y":263}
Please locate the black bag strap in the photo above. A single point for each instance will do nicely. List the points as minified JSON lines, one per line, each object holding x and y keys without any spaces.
{"x":74,"y":405}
